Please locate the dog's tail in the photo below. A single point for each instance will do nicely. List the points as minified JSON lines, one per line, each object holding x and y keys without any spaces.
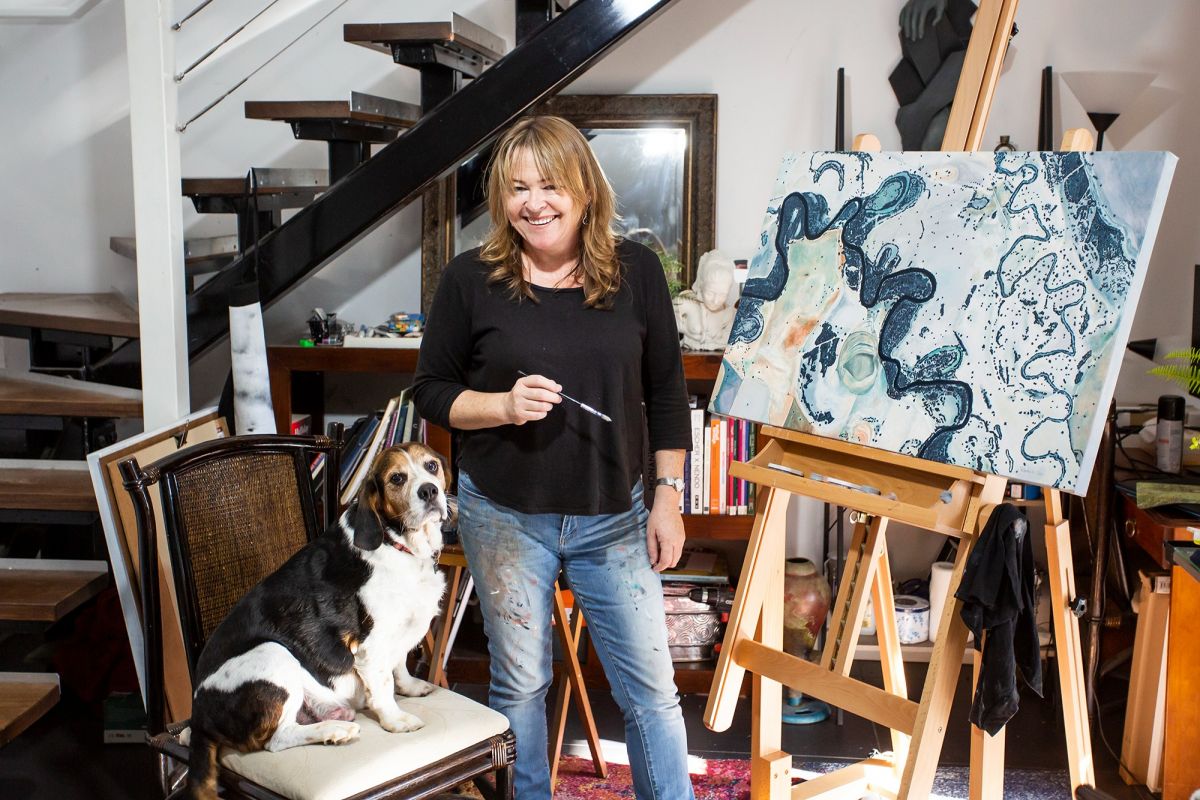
{"x":202,"y":767}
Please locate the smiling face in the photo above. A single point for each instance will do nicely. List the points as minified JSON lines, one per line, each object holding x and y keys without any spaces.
{"x":541,"y":211}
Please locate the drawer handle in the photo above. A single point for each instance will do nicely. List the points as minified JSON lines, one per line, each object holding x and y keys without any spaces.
{"x":1131,"y":528}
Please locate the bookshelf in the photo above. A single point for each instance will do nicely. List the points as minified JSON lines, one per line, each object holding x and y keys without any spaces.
{"x":298,"y":377}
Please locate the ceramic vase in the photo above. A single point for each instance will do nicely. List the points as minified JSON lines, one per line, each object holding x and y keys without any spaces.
{"x":805,"y":604}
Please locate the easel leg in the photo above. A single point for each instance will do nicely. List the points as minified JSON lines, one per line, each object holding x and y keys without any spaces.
{"x":437,"y":655}
{"x":764,"y":549}
{"x":890,"y":659}
{"x":868,"y":549}
{"x":1068,"y":653}
{"x":938,"y":694}
{"x":770,"y":767}
{"x":987,"y":754}
{"x":572,"y":681}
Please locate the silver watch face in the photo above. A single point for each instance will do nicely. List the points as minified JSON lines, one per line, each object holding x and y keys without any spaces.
{"x":674,"y":483}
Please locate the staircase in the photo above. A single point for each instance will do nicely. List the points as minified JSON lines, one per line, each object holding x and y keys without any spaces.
{"x":470,"y":90}
{"x":51,"y":488}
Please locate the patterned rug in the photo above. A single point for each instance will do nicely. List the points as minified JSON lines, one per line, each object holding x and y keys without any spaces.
{"x":729,"y":779}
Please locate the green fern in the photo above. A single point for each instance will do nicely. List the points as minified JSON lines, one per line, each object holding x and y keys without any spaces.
{"x":1186,"y":374}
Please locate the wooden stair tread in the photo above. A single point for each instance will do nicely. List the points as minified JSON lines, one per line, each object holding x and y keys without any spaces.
{"x":270,"y":181}
{"x":460,"y":33}
{"x":46,"y":590}
{"x":200,"y":255}
{"x":24,"y":698}
{"x":46,"y":395}
{"x":32,"y":484}
{"x":106,"y":314}
{"x":360,"y":107}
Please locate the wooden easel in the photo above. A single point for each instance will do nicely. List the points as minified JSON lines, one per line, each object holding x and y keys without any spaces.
{"x":941,"y":498}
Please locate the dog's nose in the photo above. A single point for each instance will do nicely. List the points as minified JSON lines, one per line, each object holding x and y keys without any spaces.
{"x":427,"y":492}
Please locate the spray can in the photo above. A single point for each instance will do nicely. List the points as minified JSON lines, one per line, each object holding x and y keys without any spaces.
{"x":1169,"y":436}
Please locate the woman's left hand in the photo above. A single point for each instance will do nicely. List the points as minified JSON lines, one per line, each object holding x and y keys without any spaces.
{"x":664,"y":535}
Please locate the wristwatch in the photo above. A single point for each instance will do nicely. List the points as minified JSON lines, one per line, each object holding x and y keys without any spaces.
{"x":674,"y":483}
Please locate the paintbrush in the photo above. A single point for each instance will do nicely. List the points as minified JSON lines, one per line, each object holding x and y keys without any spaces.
{"x":584,"y":406}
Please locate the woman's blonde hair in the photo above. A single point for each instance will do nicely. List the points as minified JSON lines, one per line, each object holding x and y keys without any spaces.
{"x":563,"y":157}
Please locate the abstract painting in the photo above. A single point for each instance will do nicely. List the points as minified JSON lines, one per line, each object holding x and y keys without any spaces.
{"x":968,"y":308}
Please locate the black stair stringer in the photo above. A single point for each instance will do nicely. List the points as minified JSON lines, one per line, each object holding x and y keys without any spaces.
{"x":436,"y":144}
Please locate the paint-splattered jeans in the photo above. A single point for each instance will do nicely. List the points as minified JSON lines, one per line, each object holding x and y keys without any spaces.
{"x":515,"y":559}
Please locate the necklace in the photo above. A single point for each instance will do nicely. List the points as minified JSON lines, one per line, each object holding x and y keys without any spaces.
{"x":569,"y":274}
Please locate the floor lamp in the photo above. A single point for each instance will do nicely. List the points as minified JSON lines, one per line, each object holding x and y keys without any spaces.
{"x":1106,"y":95}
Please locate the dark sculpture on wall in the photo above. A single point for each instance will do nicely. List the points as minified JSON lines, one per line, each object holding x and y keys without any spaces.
{"x":933,"y":42}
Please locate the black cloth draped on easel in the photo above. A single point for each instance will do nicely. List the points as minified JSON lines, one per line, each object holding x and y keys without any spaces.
{"x":998,"y":599}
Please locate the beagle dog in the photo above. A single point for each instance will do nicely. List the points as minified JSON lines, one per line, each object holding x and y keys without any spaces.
{"x":328,"y":633}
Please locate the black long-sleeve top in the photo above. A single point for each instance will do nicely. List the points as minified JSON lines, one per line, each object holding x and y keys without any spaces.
{"x":572,"y":462}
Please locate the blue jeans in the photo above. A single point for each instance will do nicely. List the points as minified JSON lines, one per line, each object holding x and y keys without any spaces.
{"x":515,"y":559}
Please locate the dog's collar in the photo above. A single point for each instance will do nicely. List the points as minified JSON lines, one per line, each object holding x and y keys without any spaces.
{"x":403,"y":548}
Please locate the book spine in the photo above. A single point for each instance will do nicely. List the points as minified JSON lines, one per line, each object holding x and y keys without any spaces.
{"x":723,"y":466}
{"x":685,"y":499}
{"x":696,"y":459}
{"x":751,"y":452}
{"x":714,"y":465}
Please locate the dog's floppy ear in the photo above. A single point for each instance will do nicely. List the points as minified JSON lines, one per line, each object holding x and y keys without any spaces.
{"x":368,"y":527}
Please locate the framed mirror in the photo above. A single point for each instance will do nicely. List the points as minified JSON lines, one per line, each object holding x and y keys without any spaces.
{"x":658,"y":152}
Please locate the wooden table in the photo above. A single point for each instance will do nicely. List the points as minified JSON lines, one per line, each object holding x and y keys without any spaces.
{"x":298,"y":380}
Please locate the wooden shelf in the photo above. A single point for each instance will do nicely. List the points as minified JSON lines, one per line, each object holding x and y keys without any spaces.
{"x":701,"y":365}
{"x":24,"y":697}
{"x":717,"y":526}
{"x":868,"y":650}
{"x":33,"y":484}
{"x":46,"y":590}
{"x":691,"y":677}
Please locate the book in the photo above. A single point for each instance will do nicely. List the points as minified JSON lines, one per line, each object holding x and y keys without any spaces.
{"x":696,"y":460}
{"x":373,"y":448}
{"x":352,"y":446}
{"x":698,"y":565}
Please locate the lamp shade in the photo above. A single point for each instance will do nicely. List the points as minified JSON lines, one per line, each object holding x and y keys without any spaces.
{"x":1107,"y":92}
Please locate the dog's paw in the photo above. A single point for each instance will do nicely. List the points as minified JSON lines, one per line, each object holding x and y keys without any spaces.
{"x":339,"y":731}
{"x":414,"y":687}
{"x":400,"y":722}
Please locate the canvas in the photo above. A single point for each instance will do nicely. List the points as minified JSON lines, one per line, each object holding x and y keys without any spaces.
{"x":968,"y":308}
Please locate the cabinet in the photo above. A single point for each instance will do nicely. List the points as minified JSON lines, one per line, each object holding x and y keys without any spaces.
{"x":1181,"y":768}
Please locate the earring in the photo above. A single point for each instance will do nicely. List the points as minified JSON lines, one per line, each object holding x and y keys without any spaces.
{"x":587,"y":215}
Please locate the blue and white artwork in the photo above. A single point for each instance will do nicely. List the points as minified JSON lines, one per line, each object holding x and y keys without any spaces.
{"x":967,"y":308}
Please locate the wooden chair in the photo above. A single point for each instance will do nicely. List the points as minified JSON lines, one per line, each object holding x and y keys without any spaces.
{"x":233,"y":511}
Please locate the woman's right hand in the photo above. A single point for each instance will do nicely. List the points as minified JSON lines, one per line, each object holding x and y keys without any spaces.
{"x":531,"y":399}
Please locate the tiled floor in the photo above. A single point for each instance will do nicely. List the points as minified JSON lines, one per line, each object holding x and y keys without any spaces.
{"x":61,"y":757}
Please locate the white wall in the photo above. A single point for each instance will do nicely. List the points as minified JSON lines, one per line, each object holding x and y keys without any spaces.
{"x":66,"y":164}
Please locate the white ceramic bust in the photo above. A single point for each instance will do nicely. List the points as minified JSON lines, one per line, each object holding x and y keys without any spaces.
{"x":704,"y":313}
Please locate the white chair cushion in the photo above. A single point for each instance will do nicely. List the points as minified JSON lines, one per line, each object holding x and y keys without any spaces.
{"x":334,"y":772}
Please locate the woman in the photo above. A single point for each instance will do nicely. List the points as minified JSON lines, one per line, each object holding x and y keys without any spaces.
{"x":555,"y":302}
